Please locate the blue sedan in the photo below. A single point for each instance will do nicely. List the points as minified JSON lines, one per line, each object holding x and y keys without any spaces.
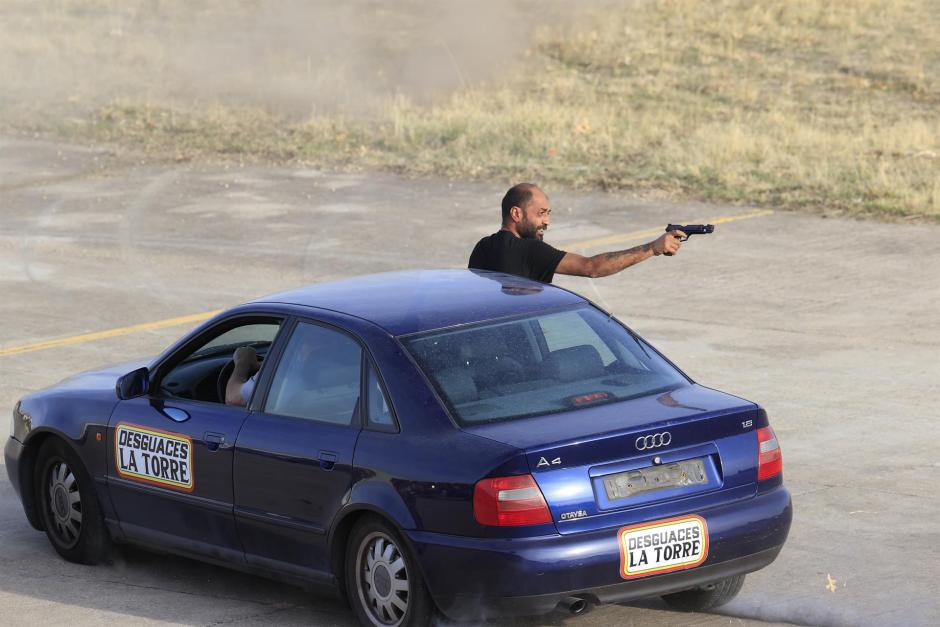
{"x":438,"y":442}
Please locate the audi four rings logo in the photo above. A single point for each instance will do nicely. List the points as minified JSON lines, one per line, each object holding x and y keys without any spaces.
{"x":646,"y":442}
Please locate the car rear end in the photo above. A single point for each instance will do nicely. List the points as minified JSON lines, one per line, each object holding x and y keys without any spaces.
{"x":640,"y":482}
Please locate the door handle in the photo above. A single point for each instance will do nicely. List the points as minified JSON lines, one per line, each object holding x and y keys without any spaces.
{"x":214,"y":441}
{"x":327,"y":460}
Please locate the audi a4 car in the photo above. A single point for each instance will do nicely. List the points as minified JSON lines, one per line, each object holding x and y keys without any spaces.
{"x":432,"y":442}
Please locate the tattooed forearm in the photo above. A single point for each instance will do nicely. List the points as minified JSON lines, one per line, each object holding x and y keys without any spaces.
{"x":606,"y":264}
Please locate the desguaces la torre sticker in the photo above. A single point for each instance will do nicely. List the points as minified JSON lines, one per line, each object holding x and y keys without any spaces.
{"x":152,"y":456}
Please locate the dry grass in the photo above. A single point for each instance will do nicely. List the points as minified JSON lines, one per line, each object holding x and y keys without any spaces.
{"x":799,"y":103}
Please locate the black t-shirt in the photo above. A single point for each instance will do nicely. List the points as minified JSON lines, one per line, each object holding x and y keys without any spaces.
{"x":504,"y":252}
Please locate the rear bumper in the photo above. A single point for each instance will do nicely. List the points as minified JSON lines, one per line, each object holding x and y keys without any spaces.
{"x":473,"y":578}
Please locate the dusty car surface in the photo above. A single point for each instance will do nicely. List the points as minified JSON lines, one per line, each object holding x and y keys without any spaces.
{"x":458,"y":442}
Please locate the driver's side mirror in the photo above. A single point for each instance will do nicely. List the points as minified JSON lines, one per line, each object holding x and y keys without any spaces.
{"x":133,"y":384}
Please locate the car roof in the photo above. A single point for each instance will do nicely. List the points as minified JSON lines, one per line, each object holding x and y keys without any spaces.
{"x":421,"y":300}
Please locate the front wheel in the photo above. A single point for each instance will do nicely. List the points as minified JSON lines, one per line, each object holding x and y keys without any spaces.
{"x":706,"y":597}
{"x":384,"y":585}
{"x":68,"y":505}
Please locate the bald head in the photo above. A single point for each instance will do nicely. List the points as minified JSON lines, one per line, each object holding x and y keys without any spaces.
{"x":519,"y":195}
{"x":526,"y":212}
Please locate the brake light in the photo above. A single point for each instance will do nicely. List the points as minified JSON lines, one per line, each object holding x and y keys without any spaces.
{"x":769,"y":461}
{"x":509,"y":502}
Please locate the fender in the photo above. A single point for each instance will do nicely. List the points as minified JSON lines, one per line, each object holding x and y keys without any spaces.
{"x":79,"y":422}
{"x":26,"y":464}
{"x":366,"y":496}
{"x":379,"y":497}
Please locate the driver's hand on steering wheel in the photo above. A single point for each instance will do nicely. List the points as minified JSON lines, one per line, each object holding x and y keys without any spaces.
{"x":246,"y":361}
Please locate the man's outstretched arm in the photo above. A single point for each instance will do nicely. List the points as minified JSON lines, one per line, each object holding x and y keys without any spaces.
{"x":606,"y":264}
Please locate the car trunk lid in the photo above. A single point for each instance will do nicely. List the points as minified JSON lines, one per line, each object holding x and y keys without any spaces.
{"x":640,"y":459}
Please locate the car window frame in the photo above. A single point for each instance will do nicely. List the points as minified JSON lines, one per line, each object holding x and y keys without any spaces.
{"x":402,"y":340}
{"x":395,"y":427}
{"x":175,"y":358}
{"x":263,"y":387}
{"x":444,"y":403}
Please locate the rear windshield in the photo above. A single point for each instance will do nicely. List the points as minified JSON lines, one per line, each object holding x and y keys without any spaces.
{"x":539,"y":365}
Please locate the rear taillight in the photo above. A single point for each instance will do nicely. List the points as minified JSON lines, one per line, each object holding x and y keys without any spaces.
{"x":509,"y":502}
{"x":769,"y":461}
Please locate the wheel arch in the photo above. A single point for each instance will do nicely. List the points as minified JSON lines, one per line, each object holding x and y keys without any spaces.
{"x":27,"y":472}
{"x":83,"y":539}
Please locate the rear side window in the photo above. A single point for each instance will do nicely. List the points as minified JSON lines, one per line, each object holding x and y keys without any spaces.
{"x":539,"y":365}
{"x":379,"y":412}
{"x":318,"y":377}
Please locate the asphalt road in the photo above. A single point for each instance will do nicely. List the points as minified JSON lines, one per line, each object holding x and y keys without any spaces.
{"x":833,"y":325}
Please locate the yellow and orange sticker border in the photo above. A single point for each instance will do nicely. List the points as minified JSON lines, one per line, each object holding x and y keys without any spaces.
{"x":163,"y":483}
{"x":624,"y":551}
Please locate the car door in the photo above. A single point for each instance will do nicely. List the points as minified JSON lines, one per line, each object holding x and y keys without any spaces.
{"x":293,"y":457}
{"x":170,"y":451}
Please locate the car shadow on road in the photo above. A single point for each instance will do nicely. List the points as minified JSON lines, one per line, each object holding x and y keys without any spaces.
{"x":142,"y":584}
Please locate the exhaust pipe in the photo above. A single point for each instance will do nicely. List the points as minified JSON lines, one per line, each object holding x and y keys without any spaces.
{"x":574,"y":605}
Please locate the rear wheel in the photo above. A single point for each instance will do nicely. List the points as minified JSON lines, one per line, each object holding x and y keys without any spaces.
{"x":68,"y":505}
{"x":706,"y":597}
{"x":384,"y":586}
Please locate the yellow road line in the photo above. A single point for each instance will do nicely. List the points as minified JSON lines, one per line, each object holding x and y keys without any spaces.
{"x":100,"y":335}
{"x":626,"y":237}
{"x":171,"y":322}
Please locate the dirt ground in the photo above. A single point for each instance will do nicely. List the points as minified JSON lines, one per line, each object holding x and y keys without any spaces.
{"x":833,"y":325}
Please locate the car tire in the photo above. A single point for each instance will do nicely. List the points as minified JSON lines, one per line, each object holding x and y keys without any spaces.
{"x":706,"y":597}
{"x":383,"y":583}
{"x":68,"y":505}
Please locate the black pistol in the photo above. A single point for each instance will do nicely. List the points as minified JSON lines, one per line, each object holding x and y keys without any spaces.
{"x":690,"y":230}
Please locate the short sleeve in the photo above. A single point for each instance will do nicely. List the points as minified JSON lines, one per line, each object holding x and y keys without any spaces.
{"x":543,"y":259}
{"x":248,"y":387}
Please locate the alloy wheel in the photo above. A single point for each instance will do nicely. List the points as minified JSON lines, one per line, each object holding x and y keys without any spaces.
{"x":64,"y":503}
{"x":383,"y":583}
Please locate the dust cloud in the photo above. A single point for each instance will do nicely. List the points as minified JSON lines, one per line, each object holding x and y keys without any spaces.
{"x":293,"y":57}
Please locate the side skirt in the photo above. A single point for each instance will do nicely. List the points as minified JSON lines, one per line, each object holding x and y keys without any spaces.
{"x":311,"y":580}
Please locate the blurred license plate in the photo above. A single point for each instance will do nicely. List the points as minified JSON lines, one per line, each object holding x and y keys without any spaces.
{"x":642,"y":480}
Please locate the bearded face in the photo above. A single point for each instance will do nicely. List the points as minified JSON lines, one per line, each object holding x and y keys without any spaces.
{"x":535,"y":216}
{"x":532,"y":224}
{"x":529,"y":228}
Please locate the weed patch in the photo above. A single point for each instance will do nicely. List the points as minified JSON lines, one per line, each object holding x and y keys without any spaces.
{"x":824,"y":106}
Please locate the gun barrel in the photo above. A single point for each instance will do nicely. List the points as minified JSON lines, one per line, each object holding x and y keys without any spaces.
{"x":692,"y":229}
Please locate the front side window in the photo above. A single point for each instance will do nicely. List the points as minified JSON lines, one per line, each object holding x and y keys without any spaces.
{"x":203,"y":372}
{"x":250,"y":334}
{"x":539,"y":365}
{"x":318,"y":377}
